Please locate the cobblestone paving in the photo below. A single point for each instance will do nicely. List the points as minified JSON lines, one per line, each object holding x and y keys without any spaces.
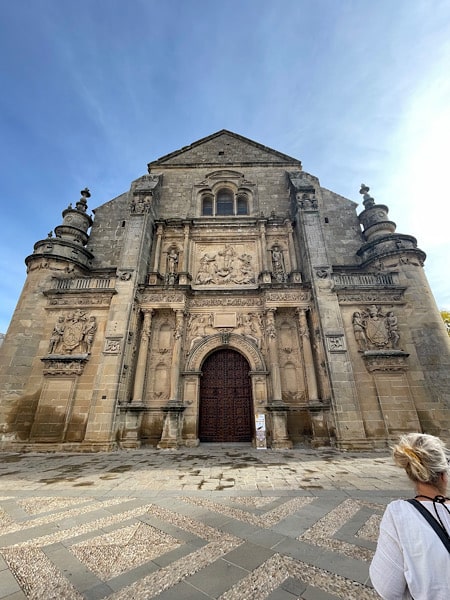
{"x":224,"y":522}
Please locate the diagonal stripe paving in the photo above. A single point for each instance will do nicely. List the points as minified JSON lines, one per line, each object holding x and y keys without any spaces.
{"x":211,"y":522}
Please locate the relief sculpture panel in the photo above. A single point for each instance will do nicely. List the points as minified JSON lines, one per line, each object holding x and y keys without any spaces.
{"x":229,"y":264}
{"x":73,"y":332}
{"x":375,"y":329}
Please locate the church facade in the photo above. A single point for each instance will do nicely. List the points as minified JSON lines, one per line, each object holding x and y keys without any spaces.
{"x":226,"y":297}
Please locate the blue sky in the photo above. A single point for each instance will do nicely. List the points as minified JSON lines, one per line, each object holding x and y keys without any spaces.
{"x":93,"y":90}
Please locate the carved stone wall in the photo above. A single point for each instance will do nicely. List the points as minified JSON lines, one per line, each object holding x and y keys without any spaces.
{"x":337,"y":322}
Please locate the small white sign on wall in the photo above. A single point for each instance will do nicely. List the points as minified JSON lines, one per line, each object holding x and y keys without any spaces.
{"x":260,"y":426}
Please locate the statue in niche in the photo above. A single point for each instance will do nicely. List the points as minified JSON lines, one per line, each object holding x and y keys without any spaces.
{"x":375,"y":330}
{"x":172,"y":266}
{"x":278,"y":271}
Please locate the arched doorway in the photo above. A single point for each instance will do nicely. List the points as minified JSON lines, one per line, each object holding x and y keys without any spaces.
{"x":226,"y":413}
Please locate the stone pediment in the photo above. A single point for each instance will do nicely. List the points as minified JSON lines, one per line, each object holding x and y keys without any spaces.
{"x":225,"y":148}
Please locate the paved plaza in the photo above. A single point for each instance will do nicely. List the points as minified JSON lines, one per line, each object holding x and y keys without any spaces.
{"x":218,"y":521}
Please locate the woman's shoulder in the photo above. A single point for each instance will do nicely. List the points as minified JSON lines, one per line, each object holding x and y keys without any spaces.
{"x":398,"y":507}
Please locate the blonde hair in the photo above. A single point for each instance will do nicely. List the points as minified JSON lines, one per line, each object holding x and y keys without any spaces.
{"x":423,"y":457}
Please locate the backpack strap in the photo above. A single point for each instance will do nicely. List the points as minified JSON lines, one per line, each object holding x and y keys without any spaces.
{"x":432,"y":521}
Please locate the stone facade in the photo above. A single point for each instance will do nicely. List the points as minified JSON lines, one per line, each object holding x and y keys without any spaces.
{"x":225,"y":253}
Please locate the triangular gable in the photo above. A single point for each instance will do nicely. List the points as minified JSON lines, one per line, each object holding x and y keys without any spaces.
{"x":224,"y":148}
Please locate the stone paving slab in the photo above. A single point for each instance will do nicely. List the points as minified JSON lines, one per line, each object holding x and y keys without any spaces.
{"x":217,"y":521}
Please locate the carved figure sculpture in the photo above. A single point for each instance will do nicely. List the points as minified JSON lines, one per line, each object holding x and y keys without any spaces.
{"x":278,"y":271}
{"x":374,"y":329}
{"x":172,"y":261}
{"x":57,"y":334}
{"x":71,"y":332}
{"x":197,"y":328}
{"x":225,"y":267}
{"x":392,"y":325}
{"x":172,"y":266}
{"x":208,"y":269}
{"x":359,"y":331}
{"x":89,"y":333}
{"x":247,"y":327}
{"x":247,"y":274}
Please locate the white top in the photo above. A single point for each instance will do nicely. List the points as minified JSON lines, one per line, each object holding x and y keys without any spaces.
{"x":410,"y":560}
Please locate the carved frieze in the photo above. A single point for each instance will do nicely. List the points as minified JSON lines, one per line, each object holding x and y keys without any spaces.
{"x":391,"y":361}
{"x":201,"y":325}
{"x":288,"y":298}
{"x":69,"y":366}
{"x":369,"y":297}
{"x":72,"y":301}
{"x":167,"y":298}
{"x":217,"y":301}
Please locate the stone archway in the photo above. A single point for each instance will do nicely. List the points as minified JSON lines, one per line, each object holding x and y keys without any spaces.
{"x":225,"y":405}
{"x":255,"y":368}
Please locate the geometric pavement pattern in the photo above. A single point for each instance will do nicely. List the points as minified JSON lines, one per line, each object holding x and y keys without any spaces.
{"x":271,"y":547}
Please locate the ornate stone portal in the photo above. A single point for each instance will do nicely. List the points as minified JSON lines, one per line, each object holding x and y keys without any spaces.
{"x":225,"y":283}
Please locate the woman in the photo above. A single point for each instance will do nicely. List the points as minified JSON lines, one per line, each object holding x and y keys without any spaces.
{"x":411,"y":561}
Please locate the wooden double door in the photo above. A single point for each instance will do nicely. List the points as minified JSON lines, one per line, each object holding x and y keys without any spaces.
{"x":226,"y":413}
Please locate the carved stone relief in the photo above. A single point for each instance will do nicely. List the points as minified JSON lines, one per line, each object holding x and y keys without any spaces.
{"x":73,"y":332}
{"x":205,"y":324}
{"x":374,"y":329}
{"x":112,"y":346}
{"x":370,"y":297}
{"x":288,"y":297}
{"x":201,"y":302}
{"x":278,"y":269}
{"x":63,"y":368}
{"x":225,"y":266}
{"x":140,"y":204}
{"x":171,"y":276}
{"x":307,"y":201}
{"x":336,"y":343}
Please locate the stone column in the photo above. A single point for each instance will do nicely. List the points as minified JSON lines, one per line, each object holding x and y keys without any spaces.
{"x":292,"y":255}
{"x":273,"y":355}
{"x":265,"y":273}
{"x":176,"y":356}
{"x":173,"y":419}
{"x":310,"y":372}
{"x":141,"y":367}
{"x":183,"y":275}
{"x":262,"y":232}
{"x":159,"y":234}
{"x":185,"y":248}
{"x":277,"y":408}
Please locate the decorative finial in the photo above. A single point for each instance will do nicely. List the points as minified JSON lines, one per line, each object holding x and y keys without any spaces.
{"x":368,"y":201}
{"x":82,"y":202}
